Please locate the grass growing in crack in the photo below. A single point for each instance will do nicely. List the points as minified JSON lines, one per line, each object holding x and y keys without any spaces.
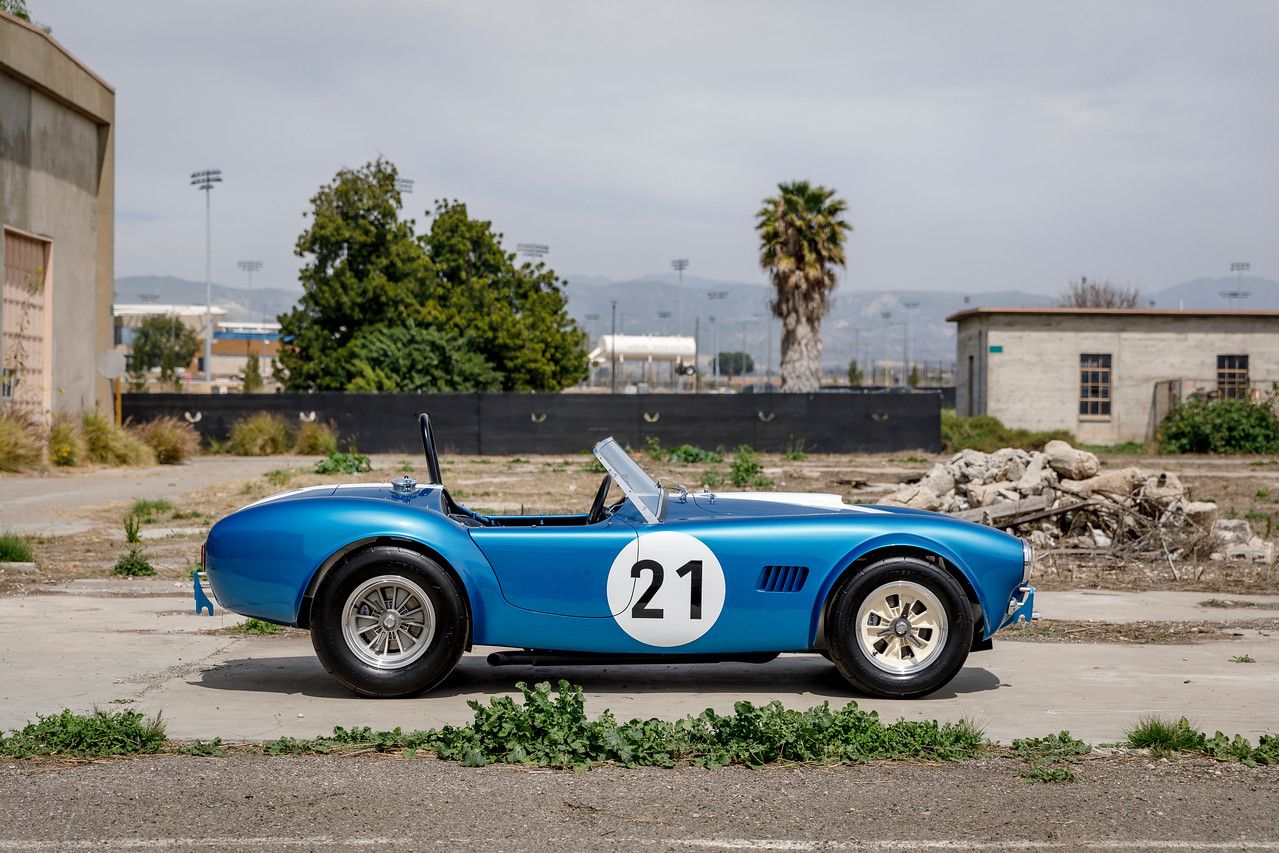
{"x":1044,"y":755}
{"x":258,"y":627}
{"x":15,"y":549}
{"x":204,"y":748}
{"x":1243,"y":659}
{"x":149,"y":511}
{"x":1161,"y":736}
{"x":96,"y":735}
{"x":549,"y":728}
{"x":133,"y":565}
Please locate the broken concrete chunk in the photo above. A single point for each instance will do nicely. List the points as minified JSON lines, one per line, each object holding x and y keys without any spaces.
{"x":1163,"y":488}
{"x":1114,"y":483}
{"x":1070,"y":463}
{"x":1202,"y":514}
{"x":1233,"y":531}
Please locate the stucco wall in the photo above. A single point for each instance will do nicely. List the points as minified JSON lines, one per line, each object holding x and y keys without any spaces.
{"x":1034,"y":381}
{"x":56,"y":181}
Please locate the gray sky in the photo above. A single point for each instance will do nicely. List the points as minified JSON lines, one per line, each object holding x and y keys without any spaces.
{"x":979,"y":145}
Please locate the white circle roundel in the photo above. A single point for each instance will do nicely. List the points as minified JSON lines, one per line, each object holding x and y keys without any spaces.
{"x":666,"y":588}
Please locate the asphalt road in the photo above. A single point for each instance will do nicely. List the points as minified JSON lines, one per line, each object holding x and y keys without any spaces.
{"x":254,"y":802}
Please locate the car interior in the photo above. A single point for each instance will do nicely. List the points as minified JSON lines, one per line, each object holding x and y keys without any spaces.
{"x":600,"y":508}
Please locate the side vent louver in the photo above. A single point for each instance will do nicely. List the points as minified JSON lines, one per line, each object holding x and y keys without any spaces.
{"x":783,"y":578}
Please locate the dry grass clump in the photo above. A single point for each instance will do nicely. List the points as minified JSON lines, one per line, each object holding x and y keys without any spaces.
{"x":172,"y":440}
{"x":67,"y":447}
{"x":108,"y":444}
{"x":19,"y":442}
{"x":260,"y":435}
{"x":317,"y":439}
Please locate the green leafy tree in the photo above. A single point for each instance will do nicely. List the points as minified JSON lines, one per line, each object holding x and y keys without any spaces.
{"x":735,"y":364}
{"x":415,"y":358}
{"x":914,"y":378}
{"x":252,"y":377}
{"x":515,"y":316}
{"x":801,"y":232}
{"x":165,"y":342}
{"x":855,"y":375}
{"x":17,"y":8}
{"x":367,"y":273}
{"x":364,"y":268}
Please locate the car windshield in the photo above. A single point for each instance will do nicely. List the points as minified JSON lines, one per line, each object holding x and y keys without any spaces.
{"x":640,"y":489}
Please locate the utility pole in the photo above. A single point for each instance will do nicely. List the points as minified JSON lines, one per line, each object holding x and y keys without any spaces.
{"x":613,"y":349}
{"x":909,"y":306}
{"x":204,"y":180}
{"x":697,"y":367}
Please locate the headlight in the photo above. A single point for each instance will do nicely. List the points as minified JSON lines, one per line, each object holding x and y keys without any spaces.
{"x":1027,"y":560}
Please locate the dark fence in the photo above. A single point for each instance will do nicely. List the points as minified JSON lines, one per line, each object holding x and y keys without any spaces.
{"x":569,"y":423}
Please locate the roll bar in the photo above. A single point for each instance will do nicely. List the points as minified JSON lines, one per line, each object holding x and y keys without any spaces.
{"x":428,"y":447}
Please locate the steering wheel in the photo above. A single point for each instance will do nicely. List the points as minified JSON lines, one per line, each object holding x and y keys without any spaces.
{"x":597,"y":506}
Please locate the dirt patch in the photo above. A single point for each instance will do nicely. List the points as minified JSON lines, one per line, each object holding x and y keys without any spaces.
{"x":1230,"y":604}
{"x":1136,"y":633}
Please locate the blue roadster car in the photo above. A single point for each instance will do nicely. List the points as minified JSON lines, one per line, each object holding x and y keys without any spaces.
{"x":395,"y":581}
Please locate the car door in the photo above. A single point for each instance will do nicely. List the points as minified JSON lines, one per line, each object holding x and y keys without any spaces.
{"x":557,"y":570}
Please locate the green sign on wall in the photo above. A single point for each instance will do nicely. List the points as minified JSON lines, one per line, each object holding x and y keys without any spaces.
{"x":996,"y":347}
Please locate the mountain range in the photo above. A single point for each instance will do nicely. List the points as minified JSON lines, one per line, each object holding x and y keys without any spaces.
{"x":658,"y":304}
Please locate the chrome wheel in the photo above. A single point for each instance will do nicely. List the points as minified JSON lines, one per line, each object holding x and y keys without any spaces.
{"x":388,"y":622}
{"x":901,"y":627}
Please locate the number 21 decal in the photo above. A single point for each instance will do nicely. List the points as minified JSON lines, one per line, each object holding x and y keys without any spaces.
{"x":641,"y":610}
{"x":660,"y":605}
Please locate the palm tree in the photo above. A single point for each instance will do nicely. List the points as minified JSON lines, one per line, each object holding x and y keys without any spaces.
{"x":801,"y":241}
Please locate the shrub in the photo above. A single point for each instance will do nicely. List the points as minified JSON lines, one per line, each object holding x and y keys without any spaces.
{"x":66,"y":445}
{"x":148,"y":510}
{"x":172,"y":440}
{"x":687,"y":454}
{"x":1220,"y":426}
{"x":95,"y":735}
{"x":987,"y":434}
{"x":317,"y":439}
{"x":108,"y":444}
{"x":258,"y":627}
{"x":132,"y":529}
{"x":746,"y":470}
{"x":344,"y":463}
{"x":262,"y":434}
{"x":133,"y":565}
{"x":19,"y":444}
{"x":15,"y":549}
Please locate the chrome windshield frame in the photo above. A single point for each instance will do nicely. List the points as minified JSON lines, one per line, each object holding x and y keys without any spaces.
{"x":641,"y":490}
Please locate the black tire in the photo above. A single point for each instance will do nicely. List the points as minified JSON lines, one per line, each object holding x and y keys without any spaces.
{"x":443,"y":650}
{"x":853,"y":661}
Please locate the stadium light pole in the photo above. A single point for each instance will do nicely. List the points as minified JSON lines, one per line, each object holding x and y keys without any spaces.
{"x":250,"y":267}
{"x":404,"y":186}
{"x":536,"y":251}
{"x":1238,"y":294}
{"x":679,"y":265}
{"x":613,"y":349}
{"x":204,"y":180}
{"x":909,"y":306}
{"x":715,"y":295}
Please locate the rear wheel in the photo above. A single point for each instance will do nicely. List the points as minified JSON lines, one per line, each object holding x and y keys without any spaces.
{"x":389,"y":622}
{"x":900,"y":628}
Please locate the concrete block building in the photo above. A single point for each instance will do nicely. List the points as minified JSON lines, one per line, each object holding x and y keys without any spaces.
{"x":57,"y":209}
{"x":1108,"y":375}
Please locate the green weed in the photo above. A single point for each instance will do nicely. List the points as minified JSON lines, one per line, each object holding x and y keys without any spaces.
{"x":746,"y":470}
{"x":260,"y":435}
{"x":132,"y":528}
{"x":133,"y":565}
{"x":795,"y":450}
{"x":108,"y":444}
{"x":279,"y":477}
{"x":687,"y":454}
{"x":170,"y":439}
{"x":344,"y":463}
{"x":1053,"y":749}
{"x":316,"y":439}
{"x":516,"y":460}
{"x":987,"y":434}
{"x":1048,"y":774}
{"x":15,"y":549}
{"x":258,"y":627}
{"x":1243,"y":659}
{"x":551,"y":729}
{"x":594,"y":467}
{"x":100,"y":734}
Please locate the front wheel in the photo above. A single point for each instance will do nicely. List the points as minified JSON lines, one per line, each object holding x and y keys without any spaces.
{"x":389,"y":622}
{"x":900,"y":628}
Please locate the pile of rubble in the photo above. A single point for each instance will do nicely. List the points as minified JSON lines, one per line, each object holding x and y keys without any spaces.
{"x":1061,"y":499}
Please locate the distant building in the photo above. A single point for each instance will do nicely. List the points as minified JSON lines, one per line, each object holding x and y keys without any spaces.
{"x":1108,"y":375}
{"x":233,"y":343}
{"x":57,"y":200}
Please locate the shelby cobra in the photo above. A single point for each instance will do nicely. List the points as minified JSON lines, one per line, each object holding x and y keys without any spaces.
{"x":396,"y":580}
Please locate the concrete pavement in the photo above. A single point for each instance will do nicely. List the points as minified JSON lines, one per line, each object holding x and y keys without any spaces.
{"x":138,"y":644}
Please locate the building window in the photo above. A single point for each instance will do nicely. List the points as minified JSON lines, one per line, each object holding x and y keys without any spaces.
{"x":1232,"y":377}
{"x":1094,"y":385}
